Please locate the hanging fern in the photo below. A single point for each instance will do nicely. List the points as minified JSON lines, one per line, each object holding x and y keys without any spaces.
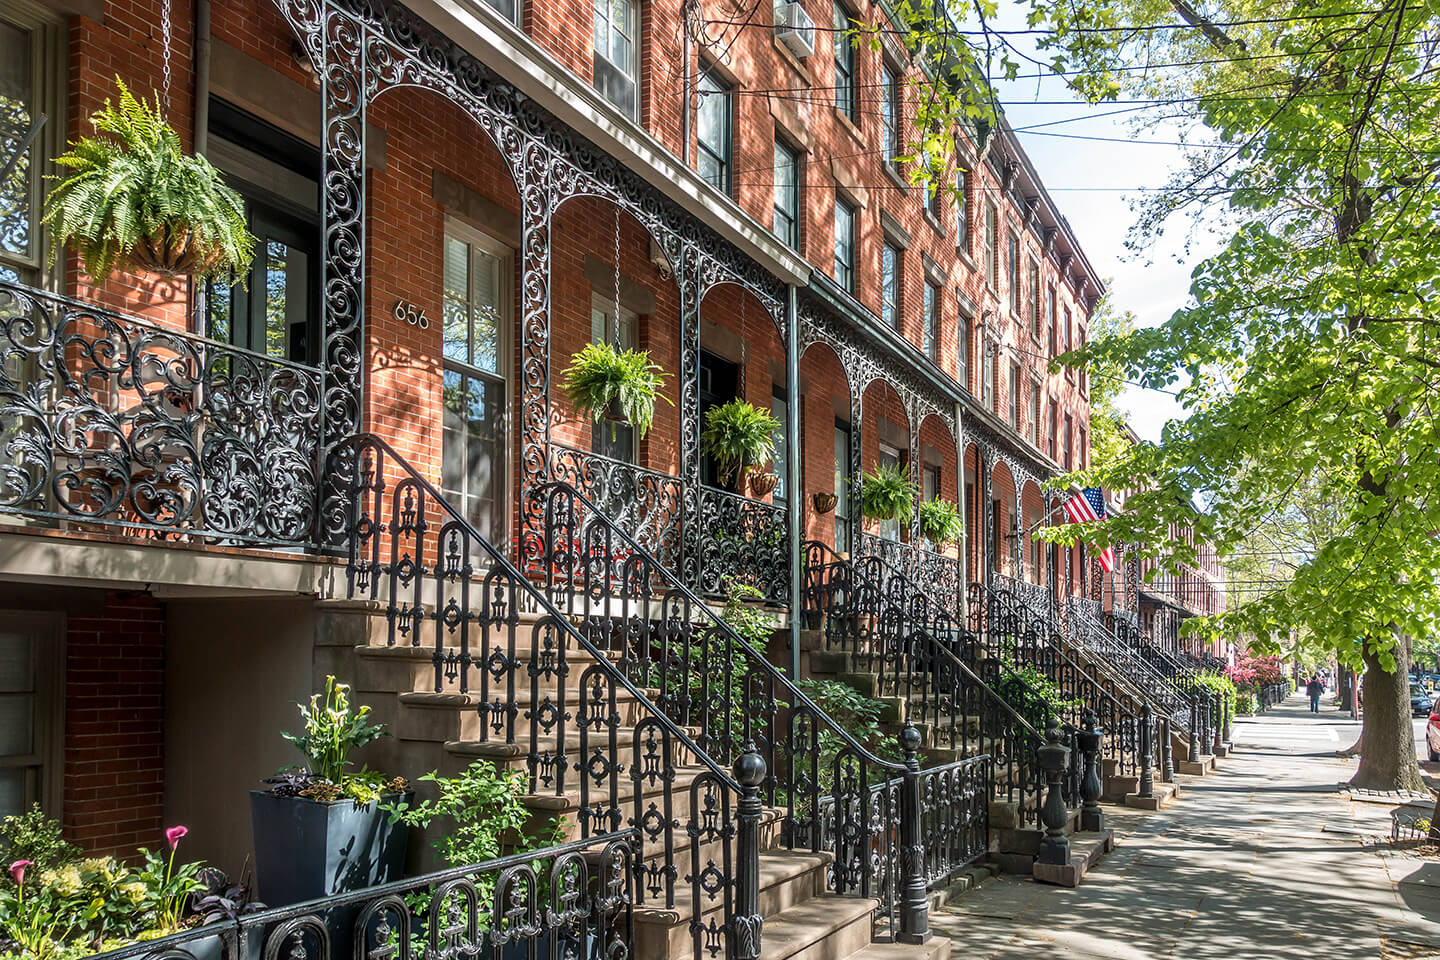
{"x":940,"y":521}
{"x":133,"y":196}
{"x":887,"y":494}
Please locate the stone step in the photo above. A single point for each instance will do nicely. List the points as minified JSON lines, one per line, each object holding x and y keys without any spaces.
{"x":380,"y":669}
{"x":442,"y":717}
{"x":786,"y":878}
{"x":1086,"y":850}
{"x":1162,"y":795}
{"x":828,"y":927}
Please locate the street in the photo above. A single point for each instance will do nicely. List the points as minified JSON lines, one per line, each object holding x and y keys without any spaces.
{"x":1264,"y":859}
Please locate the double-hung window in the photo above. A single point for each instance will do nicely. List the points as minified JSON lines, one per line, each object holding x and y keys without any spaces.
{"x":1054,"y":429}
{"x":714,"y":131}
{"x":1085,"y":369}
{"x":1069,"y":450}
{"x":1035,"y":414}
{"x":962,"y":210}
{"x":890,"y":117}
{"x":890,"y":259}
{"x":932,"y":321}
{"x":844,"y":244}
{"x":1032,"y":294}
{"x":966,"y":330}
{"x":1015,"y":396}
{"x":473,"y":472}
{"x":1050,"y":320}
{"x":1069,"y":335}
{"x":31,"y":77}
{"x":1013,"y":267}
{"x":31,"y":712}
{"x":615,"y":62}
{"x":846,"y":100}
{"x":787,"y":194}
{"x":992,"y":255}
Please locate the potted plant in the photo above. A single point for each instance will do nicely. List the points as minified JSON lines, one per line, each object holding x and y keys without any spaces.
{"x":320,"y":830}
{"x":607,"y":383}
{"x":133,"y":197}
{"x":940,"y":521}
{"x":887,"y":494}
{"x":737,"y":436}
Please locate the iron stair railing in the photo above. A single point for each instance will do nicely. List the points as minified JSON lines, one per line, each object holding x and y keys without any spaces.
{"x":666,"y":691}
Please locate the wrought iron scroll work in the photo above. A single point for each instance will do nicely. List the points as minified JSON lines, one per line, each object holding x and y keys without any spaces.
{"x":361,"y":50}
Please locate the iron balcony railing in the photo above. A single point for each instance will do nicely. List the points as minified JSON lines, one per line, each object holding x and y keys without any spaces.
{"x":620,"y":690}
{"x":114,"y":422}
{"x":572,"y":900}
{"x":938,"y":576}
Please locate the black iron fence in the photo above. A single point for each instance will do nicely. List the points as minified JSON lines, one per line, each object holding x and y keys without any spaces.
{"x":118,"y":422}
{"x":573,"y":900}
{"x":618,"y":689}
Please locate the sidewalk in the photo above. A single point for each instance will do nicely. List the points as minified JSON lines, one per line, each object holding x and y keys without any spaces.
{"x":1264,"y":859}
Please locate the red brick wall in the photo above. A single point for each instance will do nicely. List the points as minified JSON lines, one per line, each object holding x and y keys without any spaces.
{"x":114,"y":726}
{"x":826,"y":396}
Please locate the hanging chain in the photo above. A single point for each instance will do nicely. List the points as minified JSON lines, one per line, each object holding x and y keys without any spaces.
{"x":616,"y":311}
{"x":165,"y":47}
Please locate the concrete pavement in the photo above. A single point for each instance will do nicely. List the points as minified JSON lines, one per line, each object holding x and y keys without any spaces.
{"x":1264,"y":859}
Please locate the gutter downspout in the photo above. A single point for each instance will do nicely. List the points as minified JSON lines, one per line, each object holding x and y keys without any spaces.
{"x":685,"y":82}
{"x":964,"y":511}
{"x":202,"y":76}
{"x":792,"y":469}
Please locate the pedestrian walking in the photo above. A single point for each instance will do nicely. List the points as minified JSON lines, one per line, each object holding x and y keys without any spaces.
{"x":1315,"y":687}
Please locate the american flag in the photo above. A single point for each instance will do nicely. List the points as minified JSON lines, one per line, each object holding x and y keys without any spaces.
{"x":1088,"y":506}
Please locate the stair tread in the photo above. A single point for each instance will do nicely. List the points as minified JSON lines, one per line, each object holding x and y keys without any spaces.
{"x":776,"y":867}
{"x":477,"y":650}
{"x":523,"y":695}
{"x":891,"y":950}
{"x":797,"y":927}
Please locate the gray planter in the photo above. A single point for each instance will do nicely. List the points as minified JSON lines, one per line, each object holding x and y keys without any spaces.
{"x":306,"y":849}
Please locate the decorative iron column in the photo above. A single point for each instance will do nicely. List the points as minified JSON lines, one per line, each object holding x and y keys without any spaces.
{"x":1167,"y":761}
{"x":687,"y":279}
{"x":914,"y":899}
{"x":749,"y":771}
{"x":794,"y":495}
{"x":963,"y":599}
{"x":987,"y":515}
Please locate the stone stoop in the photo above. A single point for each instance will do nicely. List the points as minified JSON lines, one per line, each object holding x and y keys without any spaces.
{"x":971,"y":878}
{"x":1161,"y":796}
{"x":938,"y":948}
{"x":1205,"y":767}
{"x":1085,"y":852}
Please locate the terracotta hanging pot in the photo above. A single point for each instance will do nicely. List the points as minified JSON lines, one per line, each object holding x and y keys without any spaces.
{"x":824,"y":502}
{"x":763,"y":484}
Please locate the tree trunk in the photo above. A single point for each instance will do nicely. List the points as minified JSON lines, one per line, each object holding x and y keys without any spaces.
{"x":1387,"y":739}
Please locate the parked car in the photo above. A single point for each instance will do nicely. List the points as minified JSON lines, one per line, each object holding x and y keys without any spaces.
{"x":1432,"y":736}
{"x":1421,"y":703}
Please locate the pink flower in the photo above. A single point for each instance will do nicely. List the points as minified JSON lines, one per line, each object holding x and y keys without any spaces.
{"x":175,"y":835}
{"x":17,"y":870}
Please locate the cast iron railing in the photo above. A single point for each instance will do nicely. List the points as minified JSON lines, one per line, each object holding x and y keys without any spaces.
{"x":1013,"y":629}
{"x":940,"y":577}
{"x":109,"y":419}
{"x":646,"y":504}
{"x":742,"y":539}
{"x":668,"y":700}
{"x":572,"y":900}
{"x":885,"y":625}
{"x":1168,"y":697}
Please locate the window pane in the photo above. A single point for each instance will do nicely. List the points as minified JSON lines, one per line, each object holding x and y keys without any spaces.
{"x":457,"y":299}
{"x":17,"y":113}
{"x":287,"y":295}
{"x":17,"y":715}
{"x":777,"y":444}
{"x":13,"y":800}
{"x":473,"y":460}
{"x":889,"y":286}
{"x":787,"y":194}
{"x":485,"y":312}
{"x":714,"y":131}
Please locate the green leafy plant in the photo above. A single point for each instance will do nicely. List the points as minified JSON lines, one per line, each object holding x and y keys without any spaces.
{"x":333,"y":728}
{"x":887,"y":494}
{"x":36,"y":838}
{"x":133,"y":195}
{"x":484,"y":815}
{"x":940,"y":521}
{"x":738,"y":435}
{"x":604,"y":381}
{"x":1221,"y":684}
{"x":1246,"y":704}
{"x":1034,"y":695}
{"x":168,"y":889}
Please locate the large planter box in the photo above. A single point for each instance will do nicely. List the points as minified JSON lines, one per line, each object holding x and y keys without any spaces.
{"x":306,"y":849}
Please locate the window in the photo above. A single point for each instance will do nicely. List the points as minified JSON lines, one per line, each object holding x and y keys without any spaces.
{"x":890,"y":285}
{"x":1069,"y":452}
{"x":613,"y":440}
{"x":1032,"y":293}
{"x":890,"y":457}
{"x":1050,"y":319}
{"x":993,"y":367}
{"x":719,"y":383}
{"x":845,"y":99}
{"x":1084,"y":451}
{"x":1085,"y":369}
{"x":932,"y":321}
{"x":930,"y":482}
{"x":967,"y":330}
{"x":473,"y":471}
{"x":1012,"y":267}
{"x":276,"y":310}
{"x":890,"y":117}
{"x":1035,"y":414}
{"x":962,"y":210}
{"x":1054,"y":429}
{"x":713,"y":121}
{"x":615,"y":61}
{"x":1069,"y":343}
{"x":1015,"y":396}
{"x":31,"y":712}
{"x":932,"y":195}
{"x":842,"y":486}
{"x":992,"y":255}
{"x":30,"y":79}
{"x":779,"y":409}
{"x":787,"y":195}
{"x":844,"y":244}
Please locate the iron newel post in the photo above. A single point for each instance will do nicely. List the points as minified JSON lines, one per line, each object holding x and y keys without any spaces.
{"x":914,"y":902}
{"x":749,"y":771}
{"x":1054,"y":758}
{"x":1091,"y":816}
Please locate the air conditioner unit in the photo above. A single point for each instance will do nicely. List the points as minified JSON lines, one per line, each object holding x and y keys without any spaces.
{"x":796,"y":30}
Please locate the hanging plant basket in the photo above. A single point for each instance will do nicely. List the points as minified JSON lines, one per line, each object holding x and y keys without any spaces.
{"x":824,"y":502}
{"x":763,"y":484}
{"x":614,"y":385}
{"x":615,"y":413}
{"x":176,"y":249}
{"x":737,"y":436}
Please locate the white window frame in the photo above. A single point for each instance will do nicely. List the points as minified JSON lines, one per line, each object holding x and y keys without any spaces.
{"x":48,"y":76}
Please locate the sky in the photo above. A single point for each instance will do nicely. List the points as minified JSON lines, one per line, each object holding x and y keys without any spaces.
{"x":1093,"y":183}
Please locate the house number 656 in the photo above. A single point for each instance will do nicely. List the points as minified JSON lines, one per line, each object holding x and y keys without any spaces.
{"x":411,"y":314}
